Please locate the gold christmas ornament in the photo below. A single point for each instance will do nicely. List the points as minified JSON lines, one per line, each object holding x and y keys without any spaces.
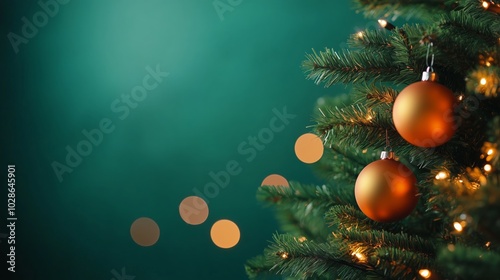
{"x":423,"y":112}
{"x":386,"y":190}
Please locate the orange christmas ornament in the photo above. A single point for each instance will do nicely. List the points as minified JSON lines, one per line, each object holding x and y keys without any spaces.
{"x":386,"y":190}
{"x":423,"y":111}
{"x":423,"y":114}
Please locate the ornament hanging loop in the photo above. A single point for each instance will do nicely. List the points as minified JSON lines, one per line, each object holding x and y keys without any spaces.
{"x":387,"y":153}
{"x":429,"y":74}
{"x":387,"y":143}
{"x":430,"y":50}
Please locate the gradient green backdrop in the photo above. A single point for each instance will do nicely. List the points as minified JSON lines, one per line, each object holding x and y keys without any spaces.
{"x":226,"y":76}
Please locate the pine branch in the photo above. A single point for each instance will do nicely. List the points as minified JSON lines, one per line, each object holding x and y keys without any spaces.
{"x":372,"y":40}
{"x":322,"y":195}
{"x":409,"y":51}
{"x":308,"y":259}
{"x":301,"y":208}
{"x":343,"y":166}
{"x":485,"y":24}
{"x":340,"y":259}
{"x":353,"y":126}
{"x":482,"y":205}
{"x":382,"y":248}
{"x":331,"y":67}
{"x":424,"y":9}
{"x":376,"y":239}
{"x":374,"y":96}
{"x":259,"y":266}
{"x":397,"y":263}
{"x":303,"y":220}
{"x":469,"y":31}
{"x":348,"y":216}
{"x":469,"y":263}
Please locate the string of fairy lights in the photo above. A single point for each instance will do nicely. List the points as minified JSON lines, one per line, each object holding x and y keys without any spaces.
{"x":491,"y":6}
{"x":485,"y":81}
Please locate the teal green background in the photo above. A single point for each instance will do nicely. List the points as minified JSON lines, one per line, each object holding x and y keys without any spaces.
{"x":225,"y":78}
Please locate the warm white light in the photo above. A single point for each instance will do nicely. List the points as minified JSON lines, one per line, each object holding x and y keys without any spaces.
{"x":486,"y":5}
{"x":483,"y":81}
{"x":488,"y":64}
{"x":458,"y":226}
{"x":487,"y":167}
{"x":382,"y":22}
{"x":360,"y":34}
{"x":441,"y":175}
{"x":360,"y":256}
{"x":490,"y":152}
{"x":425,"y":273}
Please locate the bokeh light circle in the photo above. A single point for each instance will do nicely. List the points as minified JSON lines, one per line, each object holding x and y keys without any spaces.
{"x":193,"y":210}
{"x":145,"y":231}
{"x":225,"y":234}
{"x":309,"y":148}
{"x":275,"y":180}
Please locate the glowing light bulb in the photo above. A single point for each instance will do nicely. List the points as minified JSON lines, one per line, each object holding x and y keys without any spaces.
{"x":486,"y":5}
{"x":483,"y":81}
{"x":487,"y":167}
{"x":302,"y":239}
{"x":425,"y":273}
{"x":382,"y":22}
{"x":284,"y":255}
{"x":458,"y":226}
{"x":360,"y":34}
{"x":360,"y":257}
{"x":441,"y":175}
{"x":490,"y":152}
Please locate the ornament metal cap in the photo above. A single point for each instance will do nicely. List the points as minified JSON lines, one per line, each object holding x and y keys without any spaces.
{"x":387,"y":155}
{"x":429,"y":75}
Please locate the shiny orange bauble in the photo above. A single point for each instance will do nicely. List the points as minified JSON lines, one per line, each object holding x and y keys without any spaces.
{"x":386,"y":191}
{"x":423,"y":114}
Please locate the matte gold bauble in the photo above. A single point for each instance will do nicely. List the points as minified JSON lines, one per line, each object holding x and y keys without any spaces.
{"x":423,"y":114}
{"x":386,"y":190}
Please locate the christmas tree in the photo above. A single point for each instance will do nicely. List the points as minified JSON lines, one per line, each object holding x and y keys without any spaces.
{"x":425,"y":94}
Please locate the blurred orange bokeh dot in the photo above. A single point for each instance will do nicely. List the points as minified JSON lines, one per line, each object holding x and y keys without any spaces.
{"x":193,"y":210}
{"x":275,"y":180}
{"x":225,"y":234}
{"x":145,"y":231}
{"x":309,"y":148}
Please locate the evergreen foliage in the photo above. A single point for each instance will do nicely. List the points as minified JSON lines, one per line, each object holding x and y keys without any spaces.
{"x":454,"y":233}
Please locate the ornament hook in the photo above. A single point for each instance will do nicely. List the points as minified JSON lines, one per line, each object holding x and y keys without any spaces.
{"x":387,"y":153}
{"x":431,"y":51}
{"x":429,"y":74}
{"x":387,"y":142}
